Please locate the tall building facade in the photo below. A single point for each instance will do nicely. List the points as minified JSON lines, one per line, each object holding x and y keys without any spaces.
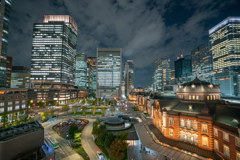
{"x":94,"y":60}
{"x":90,"y":74}
{"x":20,"y":77}
{"x":202,"y":62}
{"x":109,"y":72}
{"x":54,"y":50}
{"x":183,"y":66}
{"x":4,"y":29}
{"x":81,"y":71}
{"x":225,"y":47}
{"x":9,"y":71}
{"x":162,"y":74}
{"x":129,"y":77}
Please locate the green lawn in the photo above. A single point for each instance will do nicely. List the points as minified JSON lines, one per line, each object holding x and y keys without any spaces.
{"x":87,"y":113}
{"x":80,"y":150}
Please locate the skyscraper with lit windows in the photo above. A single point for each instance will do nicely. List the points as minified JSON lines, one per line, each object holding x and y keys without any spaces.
{"x":225,"y":47}
{"x":81,"y":71}
{"x":128,"y":77}
{"x":5,"y":10}
{"x":109,"y":72}
{"x":54,"y":50}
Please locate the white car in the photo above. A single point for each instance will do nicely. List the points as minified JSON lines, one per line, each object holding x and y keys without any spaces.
{"x":100,"y":155}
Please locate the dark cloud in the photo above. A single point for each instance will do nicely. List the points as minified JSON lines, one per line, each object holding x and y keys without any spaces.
{"x":145,"y":29}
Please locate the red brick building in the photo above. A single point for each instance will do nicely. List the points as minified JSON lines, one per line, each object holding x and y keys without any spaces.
{"x":197,"y":121}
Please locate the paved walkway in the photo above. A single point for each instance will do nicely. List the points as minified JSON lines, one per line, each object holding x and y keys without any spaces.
{"x":87,"y":141}
{"x":155,"y":149}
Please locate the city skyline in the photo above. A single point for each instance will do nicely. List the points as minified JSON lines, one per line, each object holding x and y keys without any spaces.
{"x":144,"y":30}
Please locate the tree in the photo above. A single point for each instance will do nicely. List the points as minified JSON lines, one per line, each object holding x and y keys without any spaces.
{"x":77,"y":139}
{"x":40,"y":104}
{"x":65,"y":108}
{"x":21,"y":112}
{"x":117,"y":149}
{"x":93,"y":110}
{"x":46,"y":114}
{"x":107,"y":102}
{"x":15,"y":123}
{"x":84,"y":109}
{"x":83,"y":102}
{"x":122,"y":109}
{"x":74,"y":109}
{"x":72,"y":130}
{"x":112,"y":109}
{"x":103,"y":110}
{"x":52,"y":112}
{"x":43,"y":116}
{"x":123,"y":135}
{"x":31,"y":119}
{"x":14,"y":116}
{"x":102,"y":136}
{"x":30,"y":103}
{"x":4,"y":119}
{"x":109,"y":139}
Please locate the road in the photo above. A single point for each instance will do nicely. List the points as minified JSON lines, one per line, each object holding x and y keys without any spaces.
{"x":64,"y":152}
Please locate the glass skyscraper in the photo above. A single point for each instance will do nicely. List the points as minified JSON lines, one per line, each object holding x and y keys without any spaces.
{"x":4,"y":28}
{"x":109,"y":72}
{"x":54,"y":50}
{"x":129,"y":77}
{"x":81,"y":71}
{"x":225,"y":47}
{"x":94,"y":60}
{"x":202,"y":63}
{"x":162,"y":74}
{"x":90,"y":74}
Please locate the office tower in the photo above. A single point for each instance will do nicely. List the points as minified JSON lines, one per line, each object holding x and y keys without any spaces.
{"x":109,"y":72}
{"x":202,"y":63}
{"x":81,"y":71}
{"x":183,"y":66}
{"x":9,"y":71}
{"x":90,"y":74}
{"x":128,"y":76}
{"x":162,"y":74}
{"x":4,"y":28}
{"x":225,"y":47}
{"x":20,"y":77}
{"x":54,"y":50}
{"x":53,"y":60}
{"x":94,"y":60}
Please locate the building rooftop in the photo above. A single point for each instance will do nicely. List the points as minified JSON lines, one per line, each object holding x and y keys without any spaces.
{"x":7,"y":134}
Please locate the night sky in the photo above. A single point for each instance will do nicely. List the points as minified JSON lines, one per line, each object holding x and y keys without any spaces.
{"x":145,"y":30}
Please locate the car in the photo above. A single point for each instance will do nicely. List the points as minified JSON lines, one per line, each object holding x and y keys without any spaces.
{"x":100,"y":155}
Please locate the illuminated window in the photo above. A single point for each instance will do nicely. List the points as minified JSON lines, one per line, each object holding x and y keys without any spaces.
{"x":215,"y":131}
{"x":17,"y":107}
{"x":188,"y":124}
{"x":207,"y":97}
{"x":171,"y":132}
{"x":210,"y":97}
{"x":237,"y":155}
{"x":194,"y":125}
{"x":215,"y":144}
{"x":237,"y":141}
{"x":226,"y":150}
{"x":197,"y":97}
{"x":1,"y":110}
{"x":225,"y":136}
{"x":190,"y":97}
{"x":193,"y":97}
{"x":10,"y":108}
{"x":182,"y":123}
{"x":205,"y":141}
{"x":204,"y":127}
{"x":171,"y":121}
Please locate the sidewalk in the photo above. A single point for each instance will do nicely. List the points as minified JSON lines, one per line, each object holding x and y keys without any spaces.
{"x":152,"y":147}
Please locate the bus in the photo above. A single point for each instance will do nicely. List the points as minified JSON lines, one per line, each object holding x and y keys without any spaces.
{"x":54,"y":142}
